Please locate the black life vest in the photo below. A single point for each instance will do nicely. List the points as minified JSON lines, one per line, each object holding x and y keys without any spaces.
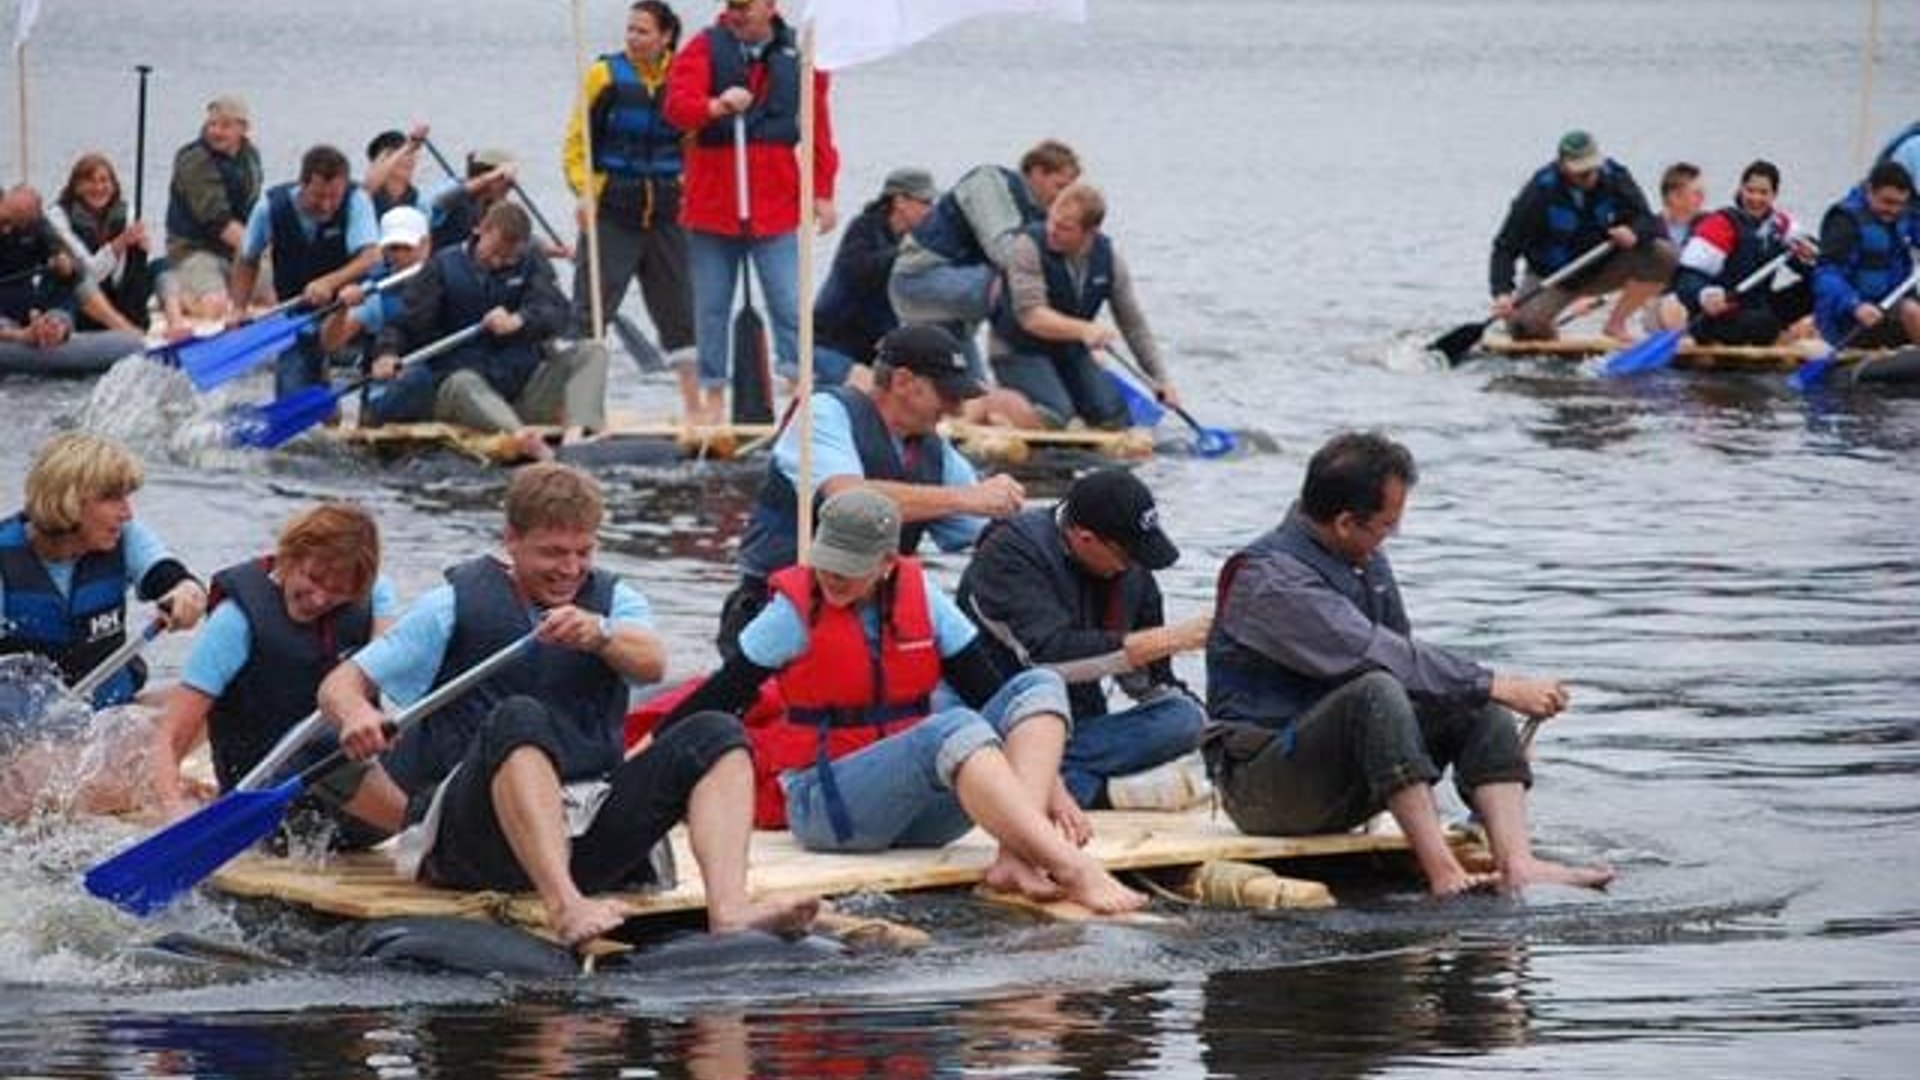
{"x":770,"y":542}
{"x":468,"y":293}
{"x":280,"y":681}
{"x":297,"y":257}
{"x":946,"y":232}
{"x":76,"y":629}
{"x":1082,"y":300}
{"x":774,"y":116}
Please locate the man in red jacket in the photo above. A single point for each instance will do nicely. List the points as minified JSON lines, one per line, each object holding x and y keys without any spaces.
{"x":745,"y":70}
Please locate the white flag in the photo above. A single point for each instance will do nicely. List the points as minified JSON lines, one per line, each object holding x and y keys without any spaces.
{"x":23,"y":16}
{"x":849,"y":32}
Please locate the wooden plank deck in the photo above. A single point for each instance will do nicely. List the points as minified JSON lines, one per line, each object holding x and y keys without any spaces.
{"x":364,"y":885}
{"x":1754,"y":358}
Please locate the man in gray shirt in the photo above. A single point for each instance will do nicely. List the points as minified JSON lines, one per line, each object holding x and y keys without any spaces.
{"x":1326,"y":709}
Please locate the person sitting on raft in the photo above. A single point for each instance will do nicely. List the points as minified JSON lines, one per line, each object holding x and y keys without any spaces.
{"x":528,"y":784}
{"x":279,"y":624}
{"x":1730,"y":245}
{"x":858,"y":642}
{"x":1866,"y":250}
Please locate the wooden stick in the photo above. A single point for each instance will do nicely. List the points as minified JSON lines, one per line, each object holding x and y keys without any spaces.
{"x":803,"y":385}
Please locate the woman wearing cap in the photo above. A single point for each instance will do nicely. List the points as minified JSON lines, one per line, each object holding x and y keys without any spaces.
{"x":852,"y":311}
{"x":858,"y":642}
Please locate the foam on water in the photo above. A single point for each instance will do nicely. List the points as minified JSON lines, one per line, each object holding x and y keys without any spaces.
{"x":155,"y":410}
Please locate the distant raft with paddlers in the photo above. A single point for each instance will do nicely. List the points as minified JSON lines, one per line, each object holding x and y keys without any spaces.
{"x":1861,"y":366}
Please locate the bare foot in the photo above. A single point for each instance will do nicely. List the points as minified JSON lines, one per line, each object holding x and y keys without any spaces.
{"x":1520,"y":873}
{"x":1460,"y":881}
{"x":786,"y":916}
{"x":588,"y":918}
{"x":1622,"y":333}
{"x":1089,"y":885}
{"x":1011,"y":874}
{"x":532,"y":446}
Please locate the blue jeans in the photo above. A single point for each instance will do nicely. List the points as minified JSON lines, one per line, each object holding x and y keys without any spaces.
{"x":1062,"y":388}
{"x":898,"y":792}
{"x":713,"y":262}
{"x":951,"y":297}
{"x":301,"y":365}
{"x":1151,"y":733}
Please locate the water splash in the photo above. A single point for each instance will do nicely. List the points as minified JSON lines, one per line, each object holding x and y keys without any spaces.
{"x":155,"y":410}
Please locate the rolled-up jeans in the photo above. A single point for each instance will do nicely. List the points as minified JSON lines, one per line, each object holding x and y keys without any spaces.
{"x":1358,"y":746}
{"x":1153,"y":732}
{"x":899,"y":791}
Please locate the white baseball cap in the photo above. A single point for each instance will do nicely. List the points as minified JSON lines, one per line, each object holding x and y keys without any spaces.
{"x":402,"y":226}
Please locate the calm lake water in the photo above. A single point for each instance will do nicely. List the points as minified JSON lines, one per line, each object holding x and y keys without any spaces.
{"x":1726,"y":572}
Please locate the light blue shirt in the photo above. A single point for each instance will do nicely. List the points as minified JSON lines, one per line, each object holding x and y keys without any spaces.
{"x":834,"y":454}
{"x":143,"y":550}
{"x":363,"y":226}
{"x":226,"y":641}
{"x":778,"y":635}
{"x":403,"y":661}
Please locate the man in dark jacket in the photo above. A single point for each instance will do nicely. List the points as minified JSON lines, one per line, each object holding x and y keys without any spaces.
{"x":1070,"y":587}
{"x":1569,"y":206}
{"x":1325,"y":707}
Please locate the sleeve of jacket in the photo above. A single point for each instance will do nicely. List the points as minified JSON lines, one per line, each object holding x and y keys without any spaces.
{"x":1511,"y":242}
{"x":544,"y":308}
{"x":688,"y":81}
{"x":573,"y":149}
{"x":866,"y":255}
{"x":1014,"y":601}
{"x":1638,"y":214}
{"x":1833,"y":291}
{"x":197,"y":180}
{"x":826,"y":153}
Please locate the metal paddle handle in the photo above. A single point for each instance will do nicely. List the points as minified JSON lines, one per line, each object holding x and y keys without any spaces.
{"x":119,"y":658}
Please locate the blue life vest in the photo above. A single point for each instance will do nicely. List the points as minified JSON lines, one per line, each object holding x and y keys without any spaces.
{"x":1880,"y":258}
{"x":774,"y":116}
{"x":770,"y":542}
{"x":631,"y":136}
{"x":1081,"y":301}
{"x":298,"y":258}
{"x":1246,"y":686}
{"x":587,"y":698}
{"x":278,"y":684}
{"x":946,"y":232}
{"x":1573,"y":227}
{"x":77,"y":629}
{"x":468,"y":293}
{"x":242,"y":187}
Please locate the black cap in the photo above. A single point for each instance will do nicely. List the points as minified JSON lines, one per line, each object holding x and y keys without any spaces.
{"x":1114,"y":505}
{"x":934,"y":353}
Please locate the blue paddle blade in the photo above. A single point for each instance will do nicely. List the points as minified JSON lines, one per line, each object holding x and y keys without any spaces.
{"x":154,"y":872}
{"x":1812,"y":373}
{"x":1141,"y":408}
{"x":211,"y":362}
{"x":1649,"y":353}
{"x":264,"y":427}
{"x":1213,"y":442}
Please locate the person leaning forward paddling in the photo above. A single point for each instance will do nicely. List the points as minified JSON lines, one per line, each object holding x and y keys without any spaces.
{"x":528,"y":784}
{"x":858,"y":642}
{"x":1327,"y":709}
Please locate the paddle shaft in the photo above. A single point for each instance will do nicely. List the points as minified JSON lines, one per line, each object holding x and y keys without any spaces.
{"x":84,"y":687}
{"x":1137,"y":372}
{"x":424,"y":353}
{"x":140,"y":145}
{"x":426,"y":706}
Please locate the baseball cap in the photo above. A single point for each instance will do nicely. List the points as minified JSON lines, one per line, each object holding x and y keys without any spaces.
{"x":912,"y":182}
{"x":404,"y":226}
{"x":487,"y":160}
{"x":231,"y":107}
{"x":1114,"y":505}
{"x":932,"y":352}
{"x":1578,"y":151}
{"x":858,"y":527}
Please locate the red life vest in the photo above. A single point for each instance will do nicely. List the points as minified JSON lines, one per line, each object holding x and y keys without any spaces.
{"x":841,"y":695}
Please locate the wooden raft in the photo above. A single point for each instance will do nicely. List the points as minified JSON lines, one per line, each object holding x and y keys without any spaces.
{"x":364,"y":885}
{"x":1754,"y":358}
{"x":726,"y":441}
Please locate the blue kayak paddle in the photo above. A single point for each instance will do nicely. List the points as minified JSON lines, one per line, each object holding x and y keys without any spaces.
{"x":1656,"y":350}
{"x":266,"y":427}
{"x":1812,"y":373}
{"x":1208,"y":442}
{"x":151,"y":874}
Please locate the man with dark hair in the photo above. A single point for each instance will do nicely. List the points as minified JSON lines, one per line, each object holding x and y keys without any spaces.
{"x":392,"y":157}
{"x":529,"y":785}
{"x":1866,"y":252}
{"x":1326,"y":709}
{"x":1569,"y":206}
{"x":1070,"y":587}
{"x":508,"y":377}
{"x":323,"y":234}
{"x":883,"y":438}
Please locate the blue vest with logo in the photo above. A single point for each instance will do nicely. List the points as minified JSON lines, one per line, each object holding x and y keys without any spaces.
{"x":1246,"y":686}
{"x":76,"y":629}
{"x":297,"y":257}
{"x":1082,"y":300}
{"x":1574,"y":224}
{"x":774,"y":116}
{"x":946,"y":233}
{"x":631,"y":137}
{"x":770,"y":542}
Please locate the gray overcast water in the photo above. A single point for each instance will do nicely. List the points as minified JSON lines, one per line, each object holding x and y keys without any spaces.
{"x":1725,"y":572}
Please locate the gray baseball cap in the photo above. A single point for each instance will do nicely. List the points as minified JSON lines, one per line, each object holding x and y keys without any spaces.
{"x":858,"y":527}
